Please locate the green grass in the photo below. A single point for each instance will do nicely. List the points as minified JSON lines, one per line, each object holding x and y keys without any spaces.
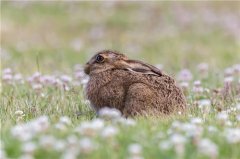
{"x":39,"y":36}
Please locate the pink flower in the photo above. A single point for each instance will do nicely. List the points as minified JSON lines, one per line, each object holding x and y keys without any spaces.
{"x":185,"y":75}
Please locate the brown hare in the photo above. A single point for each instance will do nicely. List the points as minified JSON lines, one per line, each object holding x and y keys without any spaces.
{"x":133,"y":87}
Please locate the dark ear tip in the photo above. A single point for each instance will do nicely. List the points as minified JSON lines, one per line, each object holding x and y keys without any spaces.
{"x":160,"y":73}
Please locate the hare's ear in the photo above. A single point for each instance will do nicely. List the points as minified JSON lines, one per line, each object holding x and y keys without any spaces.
{"x":141,"y":67}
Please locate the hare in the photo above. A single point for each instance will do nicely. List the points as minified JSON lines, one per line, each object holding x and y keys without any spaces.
{"x":131,"y":86}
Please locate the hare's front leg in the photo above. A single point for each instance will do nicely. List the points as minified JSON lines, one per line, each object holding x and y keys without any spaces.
{"x":139,"y":100}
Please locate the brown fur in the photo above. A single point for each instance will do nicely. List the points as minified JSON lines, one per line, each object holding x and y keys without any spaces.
{"x":133,"y":87}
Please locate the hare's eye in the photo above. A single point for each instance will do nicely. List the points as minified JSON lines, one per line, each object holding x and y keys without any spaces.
{"x":99,"y":58}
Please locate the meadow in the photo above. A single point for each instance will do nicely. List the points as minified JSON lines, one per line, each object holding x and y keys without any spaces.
{"x":44,"y":46}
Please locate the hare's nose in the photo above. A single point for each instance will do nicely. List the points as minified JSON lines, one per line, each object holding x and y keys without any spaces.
{"x":87,"y":68}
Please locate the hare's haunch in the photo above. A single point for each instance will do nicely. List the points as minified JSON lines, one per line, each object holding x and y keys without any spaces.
{"x":133,"y":87}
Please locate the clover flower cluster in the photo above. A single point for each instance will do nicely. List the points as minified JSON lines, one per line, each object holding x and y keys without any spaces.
{"x":38,"y":81}
{"x":87,"y":137}
{"x":36,"y":134}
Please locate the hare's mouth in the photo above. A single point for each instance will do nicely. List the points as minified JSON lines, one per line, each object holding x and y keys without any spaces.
{"x":87,"y":69}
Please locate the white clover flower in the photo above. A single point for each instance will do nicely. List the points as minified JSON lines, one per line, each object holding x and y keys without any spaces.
{"x":36,"y":75}
{"x":238,"y":106}
{"x":204,"y":102}
{"x":202,"y":67}
{"x":72,"y":141}
{"x":238,"y":117}
{"x":233,"y":109}
{"x":40,"y":124}
{"x":86,"y":145}
{"x":228,"y":71}
{"x":109,"y":132}
{"x":60,"y":126}
{"x":29,"y":147}
{"x":47,"y":141}
{"x":7,"y":78}
{"x":66,"y":88}
{"x":35,"y":78}
{"x":98,"y":124}
{"x":176,"y":125}
{"x":236,"y":68}
{"x":206,"y":90}
{"x":212,"y":129}
{"x":90,"y":128}
{"x":84,"y":80}
{"x":127,"y":122}
{"x":165,"y":145}
{"x":58,"y":83}
{"x":7,"y":71}
{"x":204,"y":105}
{"x":37,"y":86}
{"x":185,"y":75}
{"x":222,"y":116}
{"x":26,"y":156}
{"x":66,"y":78}
{"x":1,"y":144}
{"x":178,"y":139}
{"x":135,"y":149}
{"x":59,"y":145}
{"x":18,"y":112}
{"x":197,"y":88}
{"x":135,"y":157}
{"x":69,"y":154}
{"x":228,"y":123}
{"x":26,"y":131}
{"x":184,"y":85}
{"x":228,"y":79}
{"x":232,"y":135}
{"x":30,"y":80}
{"x":192,"y":130}
{"x":197,"y":83}
{"x":65,"y":120}
{"x":130,"y":122}
{"x":228,"y":111}
{"x":47,"y":80}
{"x":2,"y":152}
{"x":109,"y":113}
{"x":18,"y":77}
{"x":22,"y":132}
{"x":208,"y":148}
{"x":79,"y":74}
{"x":197,"y":121}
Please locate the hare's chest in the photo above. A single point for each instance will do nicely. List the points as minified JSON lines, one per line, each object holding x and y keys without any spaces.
{"x":106,"y":93}
{"x":112,"y":96}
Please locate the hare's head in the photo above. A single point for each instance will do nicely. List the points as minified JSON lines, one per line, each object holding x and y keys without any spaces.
{"x":109,"y":60}
{"x":103,"y":61}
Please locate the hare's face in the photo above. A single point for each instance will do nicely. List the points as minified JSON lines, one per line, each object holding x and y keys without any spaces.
{"x":103,"y":61}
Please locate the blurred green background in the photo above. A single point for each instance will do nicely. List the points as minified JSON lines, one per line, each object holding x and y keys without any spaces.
{"x":50,"y":36}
